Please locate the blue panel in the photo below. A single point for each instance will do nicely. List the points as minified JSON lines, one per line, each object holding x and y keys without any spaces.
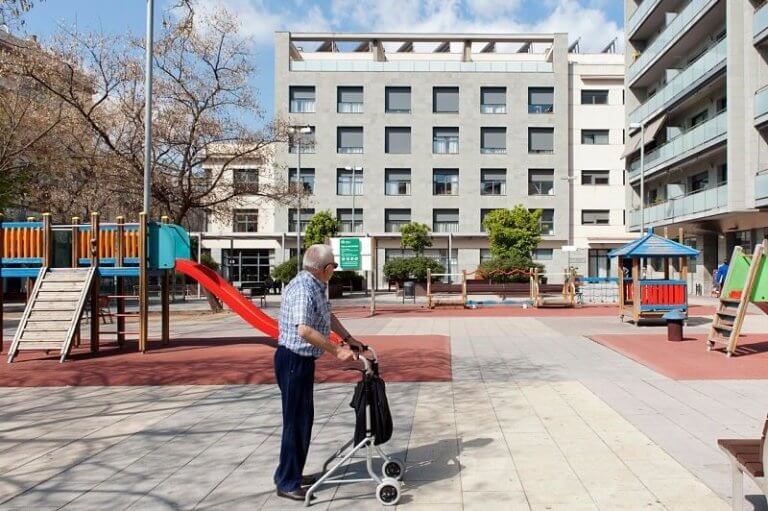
{"x":109,"y":261}
{"x":21,"y":260}
{"x":660,"y":308}
{"x":650,"y":282}
{"x":21,"y":225}
{"x":8,"y":273}
{"x":167,"y":243}
{"x":119,"y":272}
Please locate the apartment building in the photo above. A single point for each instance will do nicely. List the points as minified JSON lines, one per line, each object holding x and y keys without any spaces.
{"x":696,"y":106}
{"x":444,"y":128}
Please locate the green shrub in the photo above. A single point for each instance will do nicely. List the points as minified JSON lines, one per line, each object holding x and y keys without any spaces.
{"x":397,"y":269}
{"x":286,"y":271}
{"x":495,"y":268}
{"x":348,"y":277}
{"x":419,"y":266}
{"x":401,"y":269}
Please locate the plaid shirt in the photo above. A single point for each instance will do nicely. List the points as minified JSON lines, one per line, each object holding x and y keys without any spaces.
{"x":304,"y":303}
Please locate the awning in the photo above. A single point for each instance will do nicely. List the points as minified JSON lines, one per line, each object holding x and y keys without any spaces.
{"x":651,"y":130}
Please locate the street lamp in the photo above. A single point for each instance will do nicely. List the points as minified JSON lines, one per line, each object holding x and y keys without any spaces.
{"x":148,"y":108}
{"x":641,"y":126}
{"x":354,"y":192}
{"x":296,"y":133}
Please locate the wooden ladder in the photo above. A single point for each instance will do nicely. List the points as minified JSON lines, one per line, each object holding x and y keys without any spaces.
{"x":729,"y":317}
{"x":53,"y":311}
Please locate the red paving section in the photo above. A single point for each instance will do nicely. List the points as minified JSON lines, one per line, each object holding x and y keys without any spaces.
{"x":410,"y":311}
{"x":222,"y":361}
{"x":689,"y":359}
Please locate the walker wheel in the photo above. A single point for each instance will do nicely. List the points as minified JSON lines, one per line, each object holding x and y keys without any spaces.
{"x":393,"y":469}
{"x":388,"y":492}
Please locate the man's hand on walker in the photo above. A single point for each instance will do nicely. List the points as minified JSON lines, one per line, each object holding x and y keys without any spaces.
{"x":343,"y":353}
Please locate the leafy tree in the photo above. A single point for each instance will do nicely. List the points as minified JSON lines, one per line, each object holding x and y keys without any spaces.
{"x":286,"y":271}
{"x":419,"y":266}
{"x":513,"y":233}
{"x":397,"y":269}
{"x":322,"y":225}
{"x":415,"y":236}
{"x":208,"y":261}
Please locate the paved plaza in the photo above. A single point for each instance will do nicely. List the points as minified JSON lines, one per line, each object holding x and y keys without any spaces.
{"x":537,"y":416}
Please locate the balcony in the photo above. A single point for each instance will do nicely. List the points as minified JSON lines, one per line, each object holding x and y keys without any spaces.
{"x":760,"y":25}
{"x":761,"y":188}
{"x":418,"y":66}
{"x":761,"y":106}
{"x":692,"y":12}
{"x":693,"y":141}
{"x":640,"y":14}
{"x":689,"y":79}
{"x":708,"y":202}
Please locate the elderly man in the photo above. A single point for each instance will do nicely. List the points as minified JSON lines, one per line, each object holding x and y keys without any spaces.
{"x":305,"y":324}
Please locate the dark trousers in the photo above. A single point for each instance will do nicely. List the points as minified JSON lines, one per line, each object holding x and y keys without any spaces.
{"x":295,"y":377}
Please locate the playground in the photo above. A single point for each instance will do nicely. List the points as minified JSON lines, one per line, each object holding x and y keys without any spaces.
{"x":568,"y":406}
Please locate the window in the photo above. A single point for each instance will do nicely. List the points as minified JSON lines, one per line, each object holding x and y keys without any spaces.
{"x":485,"y":255}
{"x":722,"y":173}
{"x":595,"y":217}
{"x":547,"y":222}
{"x":594,"y":137}
{"x":541,"y":181}
{"x":445,"y":182}
{"x":307,"y":179}
{"x":305,"y":140}
{"x":397,"y":181}
{"x":445,"y":100}
{"x":483,"y":214}
{"x":722,"y":104}
{"x":594,"y":97}
{"x":542,"y":254}
{"x":395,"y":218}
{"x":445,"y":220}
{"x":541,"y":140}
{"x":493,"y":181}
{"x":599,"y":264}
{"x":493,"y":100}
{"x":306,"y":215}
{"x":349,"y":222}
{"x":247,"y":265}
{"x":349,"y":100}
{"x":699,"y":182}
{"x":245,"y":220}
{"x":493,"y":140}
{"x":397,"y":140}
{"x":445,"y":140}
{"x":344,"y":182}
{"x":349,"y":140}
{"x":245,"y":181}
{"x":595,"y":177}
{"x":699,"y":118}
{"x":397,"y":100}
{"x":541,"y":100}
{"x":302,"y":99}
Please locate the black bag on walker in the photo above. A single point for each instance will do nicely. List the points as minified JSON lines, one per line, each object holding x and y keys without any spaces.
{"x":372,"y":390}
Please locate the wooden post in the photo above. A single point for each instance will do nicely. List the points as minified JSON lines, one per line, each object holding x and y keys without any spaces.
{"x":620,"y":270}
{"x":636,"y":289}
{"x":464,"y":286}
{"x":75,"y":254}
{"x":120,"y":282}
{"x":165,"y":313}
{"x":2,"y":252}
{"x":143,"y":284}
{"x":95,"y":287}
{"x":47,"y":240}
{"x":683,"y":261}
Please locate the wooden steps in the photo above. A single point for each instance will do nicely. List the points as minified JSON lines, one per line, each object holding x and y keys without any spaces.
{"x":53,"y":311}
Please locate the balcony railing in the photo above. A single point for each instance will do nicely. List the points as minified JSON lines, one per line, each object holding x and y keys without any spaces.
{"x":493,"y":150}
{"x":541,"y":108}
{"x":702,"y":201}
{"x":760,"y":24}
{"x":688,"y":79}
{"x":397,"y":188}
{"x":445,"y":145}
{"x":346,"y":226}
{"x":446,"y":227}
{"x":761,"y":186}
{"x":493,"y":109}
{"x":349,"y":150}
{"x":676,"y":28}
{"x":639,"y":15}
{"x":393,"y":226}
{"x":419,"y":66}
{"x":761,"y":102}
{"x":302,"y":106}
{"x":349,"y":108}
{"x":684,"y":144}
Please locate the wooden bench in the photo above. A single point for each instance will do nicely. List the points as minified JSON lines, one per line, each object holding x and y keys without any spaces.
{"x":746,"y":455}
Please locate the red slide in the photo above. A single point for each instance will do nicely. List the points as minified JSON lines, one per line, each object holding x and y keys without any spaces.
{"x":224,"y":291}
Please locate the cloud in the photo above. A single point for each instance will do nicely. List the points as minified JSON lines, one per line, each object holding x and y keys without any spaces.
{"x":579,"y":18}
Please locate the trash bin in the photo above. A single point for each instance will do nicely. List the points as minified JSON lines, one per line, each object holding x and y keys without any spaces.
{"x":675,"y":319}
{"x":409,"y":290}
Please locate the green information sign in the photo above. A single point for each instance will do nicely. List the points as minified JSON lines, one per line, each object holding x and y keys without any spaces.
{"x":349,"y":254}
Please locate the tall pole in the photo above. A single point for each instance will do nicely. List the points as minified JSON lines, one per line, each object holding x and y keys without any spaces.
{"x":148,"y":107}
{"x":642,"y":179}
{"x":300,"y":188}
{"x":354,"y":194}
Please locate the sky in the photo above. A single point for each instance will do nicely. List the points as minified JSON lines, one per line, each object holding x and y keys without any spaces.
{"x":596,"y":22}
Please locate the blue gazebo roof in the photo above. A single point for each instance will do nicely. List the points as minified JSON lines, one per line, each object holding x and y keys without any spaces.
{"x":652,"y":245}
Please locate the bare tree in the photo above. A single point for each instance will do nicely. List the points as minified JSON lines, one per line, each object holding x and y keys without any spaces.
{"x":204,"y":107}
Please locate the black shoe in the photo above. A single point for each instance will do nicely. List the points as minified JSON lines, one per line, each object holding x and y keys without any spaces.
{"x":298,"y":494}
{"x":308,"y":480}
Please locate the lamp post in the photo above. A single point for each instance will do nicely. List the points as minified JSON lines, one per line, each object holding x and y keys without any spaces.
{"x":633,"y":126}
{"x":296,"y":132}
{"x":148,"y":107}
{"x":354,"y":191}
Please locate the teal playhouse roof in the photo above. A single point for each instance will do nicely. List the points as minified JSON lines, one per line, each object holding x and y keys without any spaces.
{"x":652,"y":245}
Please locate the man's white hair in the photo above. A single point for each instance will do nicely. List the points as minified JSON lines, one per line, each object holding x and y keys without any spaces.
{"x":317,"y":257}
